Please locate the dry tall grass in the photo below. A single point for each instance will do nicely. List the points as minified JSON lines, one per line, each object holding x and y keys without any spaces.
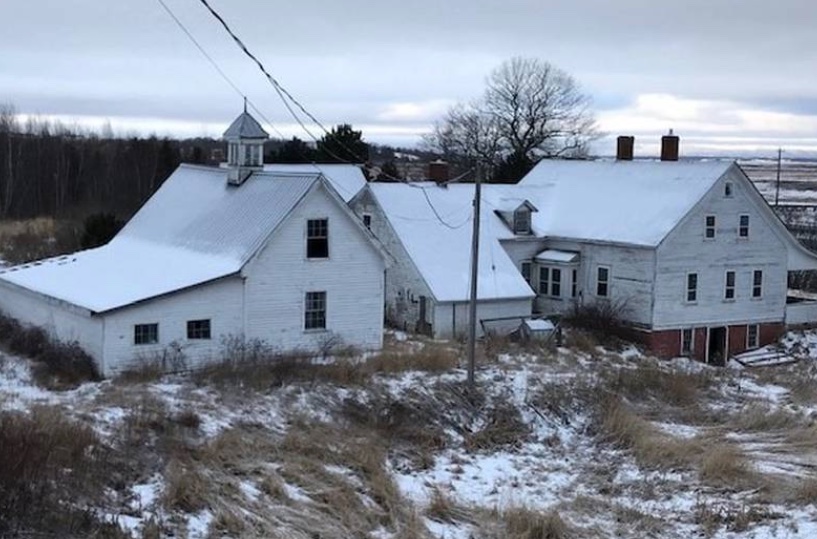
{"x":34,"y":239}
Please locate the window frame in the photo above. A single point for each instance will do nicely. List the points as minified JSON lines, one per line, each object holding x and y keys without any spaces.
{"x":743,"y":229}
{"x":713,"y":228}
{"x":315,"y":310}
{"x":199,"y":330}
{"x":316,"y":239}
{"x":687,"y":351}
{"x":574,"y":283}
{"x":520,"y":225}
{"x":141,"y":331}
{"x":605,"y":282}
{"x":555,"y":282}
{"x":728,"y":190}
{"x":367,"y":220}
{"x":749,"y":344}
{"x":757,"y":284}
{"x":526,"y":269}
{"x":729,"y":289}
{"x":691,"y":288}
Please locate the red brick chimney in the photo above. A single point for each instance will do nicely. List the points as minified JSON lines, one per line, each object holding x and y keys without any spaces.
{"x":624,"y":148}
{"x":669,"y":147}
{"x":438,"y":171}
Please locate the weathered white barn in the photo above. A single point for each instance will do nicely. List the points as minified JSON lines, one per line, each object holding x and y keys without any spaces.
{"x":216,"y":253}
{"x":689,"y":252}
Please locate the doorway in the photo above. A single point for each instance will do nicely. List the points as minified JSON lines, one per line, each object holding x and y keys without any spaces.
{"x":716,"y":348}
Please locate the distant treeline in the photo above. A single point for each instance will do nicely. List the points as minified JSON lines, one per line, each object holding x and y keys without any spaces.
{"x":50,"y":169}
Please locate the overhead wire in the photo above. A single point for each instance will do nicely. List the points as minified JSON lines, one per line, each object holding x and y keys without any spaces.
{"x":286,"y":97}
{"x":215,"y":65}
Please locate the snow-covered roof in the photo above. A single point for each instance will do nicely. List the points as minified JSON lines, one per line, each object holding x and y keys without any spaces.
{"x":347,"y":180}
{"x":245,"y":126}
{"x":553,"y":255}
{"x":635,"y":202}
{"x":121,"y":273}
{"x":441,"y":252}
{"x":194,"y":229}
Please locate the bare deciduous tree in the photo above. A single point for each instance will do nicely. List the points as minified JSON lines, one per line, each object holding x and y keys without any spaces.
{"x":530,"y":110}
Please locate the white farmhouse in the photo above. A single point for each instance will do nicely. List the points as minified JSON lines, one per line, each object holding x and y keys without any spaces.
{"x":236,"y":251}
{"x":689,"y":252}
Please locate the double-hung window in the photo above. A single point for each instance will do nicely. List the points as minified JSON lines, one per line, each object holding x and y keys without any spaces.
{"x":757,"y":284}
{"x":692,"y":287}
{"x":743,"y":227}
{"x":550,"y":282}
{"x":709,"y":228}
{"x":574,"y":283}
{"x":315,"y":310}
{"x":603,"y":281}
{"x":521,"y":221}
{"x":729,"y":288}
{"x":317,"y":238}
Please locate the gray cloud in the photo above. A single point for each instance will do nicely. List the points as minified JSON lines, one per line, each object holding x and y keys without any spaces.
{"x":389,"y":64}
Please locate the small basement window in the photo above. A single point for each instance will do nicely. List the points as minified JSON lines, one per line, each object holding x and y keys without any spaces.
{"x":198,"y":329}
{"x":315,"y":311}
{"x":146,"y":334}
{"x":752,"y":334}
{"x":317,"y":238}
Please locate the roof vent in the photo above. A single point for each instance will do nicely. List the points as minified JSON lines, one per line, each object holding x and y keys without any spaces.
{"x":669,"y":147}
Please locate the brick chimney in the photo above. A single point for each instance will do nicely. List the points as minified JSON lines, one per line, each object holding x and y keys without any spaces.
{"x":624,"y":148}
{"x":669,"y":147}
{"x":438,"y":171}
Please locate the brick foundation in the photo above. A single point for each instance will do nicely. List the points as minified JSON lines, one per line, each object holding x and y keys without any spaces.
{"x":667,"y":343}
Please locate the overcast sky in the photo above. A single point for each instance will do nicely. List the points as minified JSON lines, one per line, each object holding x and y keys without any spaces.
{"x":729,"y":76}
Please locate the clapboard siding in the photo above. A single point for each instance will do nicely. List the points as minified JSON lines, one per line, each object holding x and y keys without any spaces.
{"x":60,"y":320}
{"x":451,"y":319}
{"x":404,"y":285}
{"x":686,"y":250}
{"x":220,"y":301}
{"x":278,"y":279}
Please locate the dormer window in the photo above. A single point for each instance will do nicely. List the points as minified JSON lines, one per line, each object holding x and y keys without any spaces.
{"x":521,"y":221}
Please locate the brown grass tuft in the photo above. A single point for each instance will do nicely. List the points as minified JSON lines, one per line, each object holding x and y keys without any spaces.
{"x":724,"y":465}
{"x":185,"y":488}
{"x":524,"y":523}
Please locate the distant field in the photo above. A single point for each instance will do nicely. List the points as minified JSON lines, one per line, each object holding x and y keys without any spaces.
{"x":798,"y":179}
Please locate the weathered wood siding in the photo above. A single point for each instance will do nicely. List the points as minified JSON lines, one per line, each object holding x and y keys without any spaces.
{"x":451,"y":319}
{"x":278,"y":279}
{"x":220,"y":301}
{"x":62,"y":321}
{"x":686,"y":250}
{"x":631,"y":275}
{"x":404,"y":284}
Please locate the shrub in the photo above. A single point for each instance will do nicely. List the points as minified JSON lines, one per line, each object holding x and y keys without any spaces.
{"x":57,"y":365}
{"x":99,"y":228}
{"x":52,"y":473}
{"x":604,"y":318}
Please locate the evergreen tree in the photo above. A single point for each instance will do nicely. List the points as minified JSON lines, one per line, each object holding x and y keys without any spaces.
{"x":343,"y":145}
{"x":295,"y":151}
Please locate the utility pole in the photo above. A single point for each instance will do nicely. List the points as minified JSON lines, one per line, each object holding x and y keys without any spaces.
{"x":777,"y":184}
{"x":472,"y":306}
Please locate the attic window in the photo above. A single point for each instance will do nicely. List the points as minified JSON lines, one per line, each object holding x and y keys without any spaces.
{"x":727,"y":189}
{"x":521,"y":221}
{"x":317,"y":238}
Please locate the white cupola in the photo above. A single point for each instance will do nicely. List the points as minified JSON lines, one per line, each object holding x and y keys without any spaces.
{"x":245,"y":148}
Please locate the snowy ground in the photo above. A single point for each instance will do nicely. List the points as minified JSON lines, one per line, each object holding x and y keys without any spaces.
{"x":539,"y":436}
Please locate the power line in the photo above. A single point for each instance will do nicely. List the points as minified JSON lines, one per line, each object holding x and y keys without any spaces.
{"x":215,"y":65}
